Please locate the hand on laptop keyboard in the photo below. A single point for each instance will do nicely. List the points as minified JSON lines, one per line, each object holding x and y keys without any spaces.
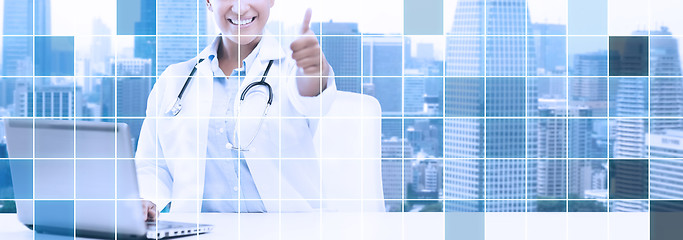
{"x":149,"y":209}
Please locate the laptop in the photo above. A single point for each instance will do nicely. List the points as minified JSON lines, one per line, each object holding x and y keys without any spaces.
{"x":85,"y":181}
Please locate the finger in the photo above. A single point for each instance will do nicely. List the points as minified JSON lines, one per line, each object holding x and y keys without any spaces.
{"x":303,"y":42}
{"x":313,"y":70}
{"x":151,"y":215}
{"x":307,"y":21}
{"x":306,"y":52}
{"x":308,"y":62}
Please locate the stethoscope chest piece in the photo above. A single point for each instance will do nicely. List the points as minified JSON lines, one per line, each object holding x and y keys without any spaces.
{"x":177,"y":106}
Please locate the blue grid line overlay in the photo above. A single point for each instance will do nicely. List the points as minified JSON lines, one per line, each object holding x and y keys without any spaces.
{"x":497,"y":111}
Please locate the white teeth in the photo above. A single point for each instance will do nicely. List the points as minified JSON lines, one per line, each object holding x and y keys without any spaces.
{"x":244,"y":21}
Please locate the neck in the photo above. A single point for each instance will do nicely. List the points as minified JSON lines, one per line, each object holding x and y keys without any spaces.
{"x":228,"y":51}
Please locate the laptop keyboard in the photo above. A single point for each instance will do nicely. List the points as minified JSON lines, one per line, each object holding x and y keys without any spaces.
{"x":169,"y":225}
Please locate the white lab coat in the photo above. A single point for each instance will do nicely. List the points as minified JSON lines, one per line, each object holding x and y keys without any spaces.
{"x":171,"y":154}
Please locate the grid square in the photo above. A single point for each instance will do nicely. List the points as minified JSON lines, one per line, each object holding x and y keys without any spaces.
{"x":505,"y":179}
{"x":663,"y":216}
{"x":588,"y":55}
{"x":20,"y":16}
{"x":465,"y":225}
{"x":546,"y":179}
{"x":588,"y":179}
{"x":422,"y":56}
{"x":505,"y":97}
{"x":547,"y":205}
{"x":628,"y":179}
{"x":587,"y":205}
{"x":431,"y":96}
{"x":343,"y":53}
{"x":54,"y":179}
{"x":588,"y":17}
{"x":424,"y":136}
{"x":55,"y":216}
{"x":21,"y":179}
{"x":628,"y":138}
{"x":628,"y":56}
{"x":547,"y":55}
{"x":464,"y":97}
{"x":589,"y":92}
{"x":628,"y":17}
{"x":17,"y":56}
{"x":666,"y":97}
{"x":382,"y":56}
{"x":177,"y":18}
{"x":136,"y":17}
{"x":505,"y":56}
{"x":505,"y":138}
{"x":587,"y":138}
{"x":663,"y":13}
{"x":465,"y":56}
{"x":137,"y":61}
{"x":390,"y":96}
{"x":105,"y":217}
{"x":628,"y":206}
{"x":589,"y":226}
{"x":94,"y":179}
{"x":416,"y":13}
{"x":664,"y":183}
{"x":54,"y":56}
{"x":629,"y":97}
{"x":174,"y":50}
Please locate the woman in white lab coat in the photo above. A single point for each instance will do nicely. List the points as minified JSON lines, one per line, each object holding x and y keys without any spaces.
{"x":175,"y":138}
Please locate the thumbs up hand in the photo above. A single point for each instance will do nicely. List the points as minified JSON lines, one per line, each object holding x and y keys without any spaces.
{"x":313,"y":67}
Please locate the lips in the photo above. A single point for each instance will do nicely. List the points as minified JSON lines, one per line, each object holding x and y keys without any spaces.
{"x":243,"y":22}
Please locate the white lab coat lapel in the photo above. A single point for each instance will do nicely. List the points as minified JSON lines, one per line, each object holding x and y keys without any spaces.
{"x":263,"y":163}
{"x":185,"y":172}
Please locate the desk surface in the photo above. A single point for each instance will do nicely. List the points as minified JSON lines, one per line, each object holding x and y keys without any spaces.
{"x":288,"y":226}
{"x":404,"y":226}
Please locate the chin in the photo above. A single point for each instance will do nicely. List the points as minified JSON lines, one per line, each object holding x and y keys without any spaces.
{"x":243,"y":40}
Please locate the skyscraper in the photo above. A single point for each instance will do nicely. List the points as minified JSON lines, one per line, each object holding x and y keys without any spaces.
{"x":666,"y":175}
{"x":132,"y":92}
{"x":145,"y":46}
{"x":470,"y":140}
{"x":396,"y":170}
{"x":342,"y":51}
{"x":186,"y":19}
{"x":665,"y":100}
{"x":382,"y":65}
{"x":17,"y":52}
{"x":54,"y":101}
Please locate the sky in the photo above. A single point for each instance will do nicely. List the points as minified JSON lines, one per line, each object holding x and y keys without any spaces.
{"x":74,"y":17}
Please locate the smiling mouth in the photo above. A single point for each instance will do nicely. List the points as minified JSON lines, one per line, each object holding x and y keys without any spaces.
{"x":243,"y":21}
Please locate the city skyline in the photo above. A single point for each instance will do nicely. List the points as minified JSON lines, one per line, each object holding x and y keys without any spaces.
{"x":468,"y":110}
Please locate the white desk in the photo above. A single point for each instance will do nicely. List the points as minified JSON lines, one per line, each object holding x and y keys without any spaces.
{"x":403,"y":226}
{"x":288,"y":226}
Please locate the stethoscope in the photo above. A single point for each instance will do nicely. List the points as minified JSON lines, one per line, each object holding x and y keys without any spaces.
{"x":177,"y":106}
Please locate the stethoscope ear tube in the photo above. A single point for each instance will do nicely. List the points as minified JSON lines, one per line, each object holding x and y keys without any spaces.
{"x":177,"y":106}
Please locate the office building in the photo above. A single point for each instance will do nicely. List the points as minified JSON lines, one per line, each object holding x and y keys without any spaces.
{"x":131,"y":93}
{"x":342,"y":47}
{"x":186,"y":19}
{"x":666,"y":167}
{"x":53,"y":101}
{"x":414,"y":93}
{"x":396,"y":170}
{"x":145,"y":46}
{"x":17,"y":52}
{"x":665,"y":98}
{"x":382,"y":65}
{"x":427,"y":178}
{"x":470,"y":140}
{"x":549,"y":62}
